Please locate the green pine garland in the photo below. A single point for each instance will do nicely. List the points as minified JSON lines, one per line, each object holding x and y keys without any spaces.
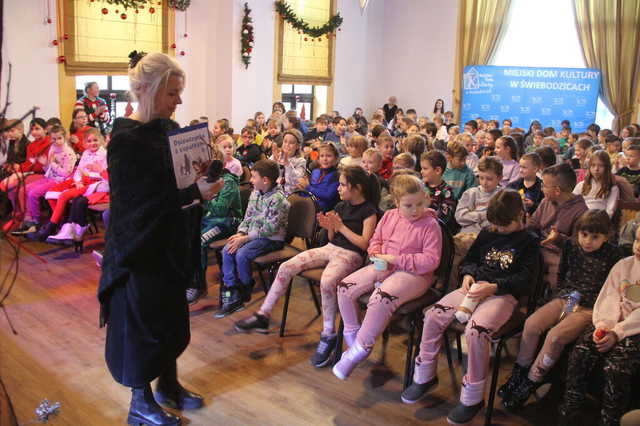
{"x":181,"y":5}
{"x":134,"y":4}
{"x":287,"y":14}
{"x":246,"y":35}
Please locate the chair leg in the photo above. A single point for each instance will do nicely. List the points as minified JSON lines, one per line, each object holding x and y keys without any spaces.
{"x":338,"y":351}
{"x":264,"y":282}
{"x":494,"y":383}
{"x":285,"y":309}
{"x":459,"y":344}
{"x":409,"y":360}
{"x":447,"y":349}
{"x":314,"y":296}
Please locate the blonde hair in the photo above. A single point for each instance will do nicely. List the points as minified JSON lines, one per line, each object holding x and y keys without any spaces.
{"x":359,"y":143}
{"x":225,"y":138}
{"x":95,"y":131}
{"x":405,"y":183}
{"x":375,"y":154}
{"x":146,"y":77}
{"x":405,"y":160}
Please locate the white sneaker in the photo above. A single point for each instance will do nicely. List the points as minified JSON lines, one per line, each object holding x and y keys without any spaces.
{"x":65,"y":236}
{"x":97,"y":256}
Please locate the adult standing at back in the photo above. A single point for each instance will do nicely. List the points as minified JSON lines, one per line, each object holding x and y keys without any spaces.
{"x":152,"y":247}
{"x":94,"y":106}
{"x":390,"y":109}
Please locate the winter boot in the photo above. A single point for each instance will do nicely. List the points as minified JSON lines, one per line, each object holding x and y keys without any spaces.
{"x":350,"y":360}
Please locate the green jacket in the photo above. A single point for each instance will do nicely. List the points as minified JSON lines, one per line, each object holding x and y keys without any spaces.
{"x":227,"y":203}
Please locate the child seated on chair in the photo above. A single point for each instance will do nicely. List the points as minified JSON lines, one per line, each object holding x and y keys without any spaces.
{"x":406,"y":251}
{"x":555,"y":218}
{"x":584,"y":266}
{"x":263,"y":230}
{"x":433,"y":164}
{"x":350,"y":227}
{"x":499,"y":268}
{"x":324,"y":178}
{"x":614,"y":340}
{"x":221,"y":218}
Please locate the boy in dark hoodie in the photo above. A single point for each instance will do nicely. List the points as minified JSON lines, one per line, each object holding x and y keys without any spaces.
{"x":555,"y":218}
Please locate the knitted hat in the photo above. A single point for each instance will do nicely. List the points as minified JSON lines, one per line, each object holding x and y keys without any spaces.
{"x":295,"y":133}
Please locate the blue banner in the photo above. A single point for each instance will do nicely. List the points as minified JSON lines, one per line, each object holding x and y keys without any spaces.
{"x":524,"y":94}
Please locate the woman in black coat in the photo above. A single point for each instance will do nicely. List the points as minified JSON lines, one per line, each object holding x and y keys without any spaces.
{"x":152,"y":248}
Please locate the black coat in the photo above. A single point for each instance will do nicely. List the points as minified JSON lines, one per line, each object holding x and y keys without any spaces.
{"x":151,"y":255}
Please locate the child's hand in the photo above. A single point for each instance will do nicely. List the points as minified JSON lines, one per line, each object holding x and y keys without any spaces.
{"x":482,"y":289}
{"x":607,"y":342}
{"x":553,"y":236}
{"x":303,"y":183}
{"x":79,"y":185}
{"x":235,"y":242}
{"x":324,"y":221}
{"x":336,"y":220}
{"x":389,"y":258}
{"x":467,"y":282}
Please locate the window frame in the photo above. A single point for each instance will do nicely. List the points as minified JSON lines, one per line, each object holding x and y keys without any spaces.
{"x":294,"y":98}
{"x":292,"y":79}
{"x":73,"y":67}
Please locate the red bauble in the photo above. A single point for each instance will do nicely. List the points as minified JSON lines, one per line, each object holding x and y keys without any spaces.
{"x":54,"y":42}
{"x":185,"y":35}
{"x":152,"y":10}
{"x":339,"y":29}
{"x":159,"y":3}
{"x":249,"y":50}
{"x":48,"y":20}
{"x":123,"y":16}
{"x":65,"y":37}
{"x":105,"y":10}
{"x":61,"y":59}
{"x":305,"y":39}
{"x":173,"y":45}
{"x":182,"y":53}
{"x":136,"y":10}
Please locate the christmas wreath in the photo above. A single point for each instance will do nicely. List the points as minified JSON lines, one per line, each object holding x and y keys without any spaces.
{"x":292,"y":19}
{"x":247,"y":36}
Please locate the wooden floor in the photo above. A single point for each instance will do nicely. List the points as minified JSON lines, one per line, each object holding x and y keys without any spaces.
{"x":245,"y":379}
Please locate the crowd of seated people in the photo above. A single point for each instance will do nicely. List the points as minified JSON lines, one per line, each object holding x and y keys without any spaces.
{"x":386,"y":188}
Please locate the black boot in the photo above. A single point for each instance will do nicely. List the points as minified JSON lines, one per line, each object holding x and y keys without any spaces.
{"x":232,"y":301}
{"x":514,"y":381}
{"x":44,"y":232}
{"x":169,"y":392}
{"x":247,"y":291}
{"x":144,"y":410}
{"x":520,"y":394}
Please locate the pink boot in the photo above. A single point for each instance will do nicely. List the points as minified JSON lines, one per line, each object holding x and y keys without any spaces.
{"x":350,"y":337}
{"x":349,"y":360}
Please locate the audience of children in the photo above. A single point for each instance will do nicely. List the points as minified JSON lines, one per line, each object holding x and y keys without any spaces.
{"x":574,"y":244}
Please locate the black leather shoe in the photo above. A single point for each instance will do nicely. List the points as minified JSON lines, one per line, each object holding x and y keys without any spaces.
{"x":144,"y":410}
{"x":179,"y":399}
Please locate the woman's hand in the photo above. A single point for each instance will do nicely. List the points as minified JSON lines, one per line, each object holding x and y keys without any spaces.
{"x":481,"y":290}
{"x":467,"y":282}
{"x":209,"y":190}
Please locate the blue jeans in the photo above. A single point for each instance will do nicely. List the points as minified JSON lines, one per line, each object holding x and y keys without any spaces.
{"x":237,"y":266}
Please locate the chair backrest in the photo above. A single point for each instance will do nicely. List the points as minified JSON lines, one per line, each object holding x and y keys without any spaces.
{"x":443,"y":272}
{"x":302,"y":217}
{"x":539,"y":288}
{"x":246,"y":175}
{"x":245,"y":193}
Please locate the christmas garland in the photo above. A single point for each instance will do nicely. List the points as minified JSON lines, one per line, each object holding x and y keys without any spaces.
{"x":292,"y":19}
{"x":247,"y":36}
{"x":181,"y":5}
{"x":134,"y":4}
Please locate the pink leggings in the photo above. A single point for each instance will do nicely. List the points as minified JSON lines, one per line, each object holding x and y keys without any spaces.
{"x":338,"y":263}
{"x":397,"y":288}
{"x":489,"y":316}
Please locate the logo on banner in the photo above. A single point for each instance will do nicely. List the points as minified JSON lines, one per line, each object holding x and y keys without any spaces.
{"x":476,"y":81}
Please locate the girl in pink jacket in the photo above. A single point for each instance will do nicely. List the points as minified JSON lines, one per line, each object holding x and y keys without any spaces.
{"x":405,"y":249}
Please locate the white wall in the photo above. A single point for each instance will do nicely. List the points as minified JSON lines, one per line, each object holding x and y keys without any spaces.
{"x":419,"y":53}
{"x":27,"y":45}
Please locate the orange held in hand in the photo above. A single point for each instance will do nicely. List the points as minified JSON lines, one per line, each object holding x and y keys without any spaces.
{"x":600,"y":333}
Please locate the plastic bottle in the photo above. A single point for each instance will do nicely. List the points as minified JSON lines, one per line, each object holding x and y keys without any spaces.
{"x":573,"y":299}
{"x":466,"y":308}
